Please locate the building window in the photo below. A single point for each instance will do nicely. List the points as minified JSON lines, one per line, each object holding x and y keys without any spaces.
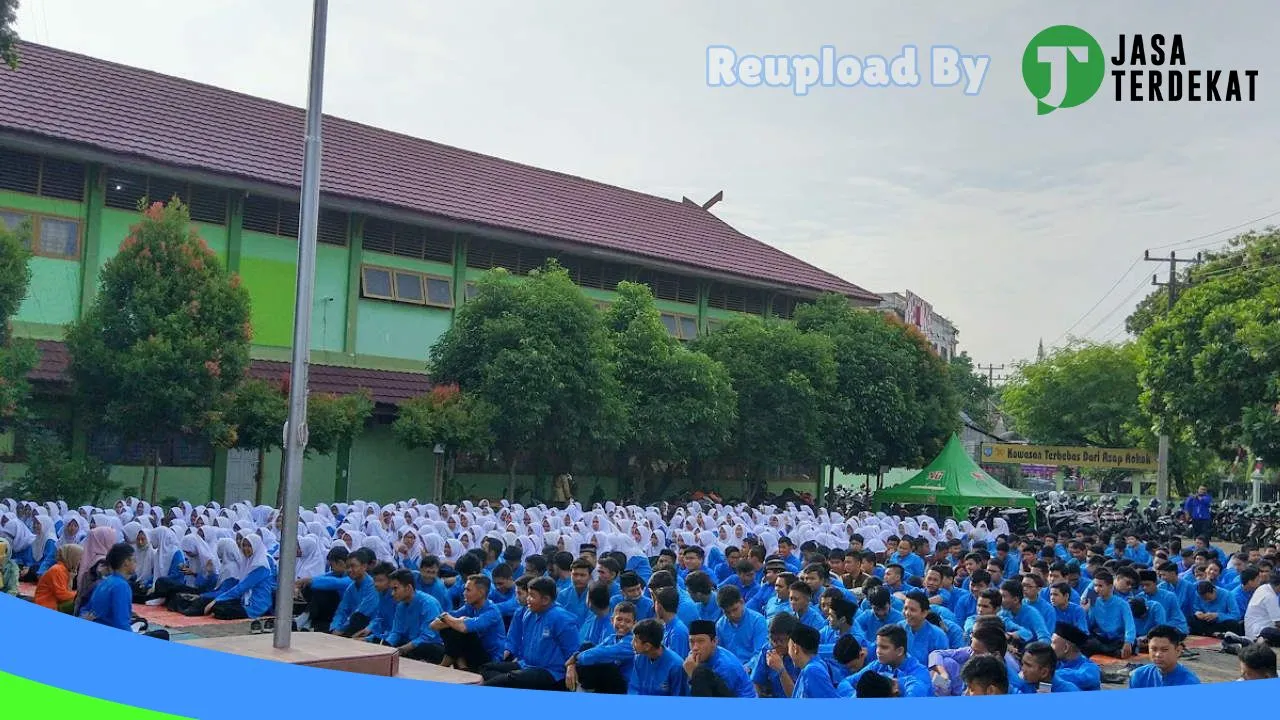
{"x":175,"y":451}
{"x":51,"y":237}
{"x":714,"y":325}
{"x":471,"y":290}
{"x":44,"y":176}
{"x":406,"y":286}
{"x":410,"y":241}
{"x":126,"y":189}
{"x":681,"y":327}
{"x":280,"y":217}
{"x":670,"y":287}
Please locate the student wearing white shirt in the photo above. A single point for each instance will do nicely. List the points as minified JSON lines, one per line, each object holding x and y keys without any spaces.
{"x":1262,"y":612}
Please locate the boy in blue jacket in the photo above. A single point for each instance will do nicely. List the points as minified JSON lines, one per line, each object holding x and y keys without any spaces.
{"x":605,"y":667}
{"x":656,"y":670}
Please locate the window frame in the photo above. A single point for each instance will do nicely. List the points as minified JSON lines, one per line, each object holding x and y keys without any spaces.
{"x":679,"y":333}
{"x":37,"y":222}
{"x":423,"y":279}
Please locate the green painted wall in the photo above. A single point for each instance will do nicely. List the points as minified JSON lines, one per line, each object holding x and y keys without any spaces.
{"x":53,"y":297}
{"x":397,"y":330}
{"x":189,"y":483}
{"x":383,"y":470}
{"x":318,"y":473}
{"x":116,"y":224}
{"x":268,"y":267}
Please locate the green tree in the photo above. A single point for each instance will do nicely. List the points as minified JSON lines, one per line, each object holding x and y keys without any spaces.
{"x":977,"y":398}
{"x":8,"y":36}
{"x":784,"y":379}
{"x":333,"y":421}
{"x":257,"y":412}
{"x":17,"y":357}
{"x":53,"y":475}
{"x":1083,"y":394}
{"x":678,"y":404}
{"x":166,"y":340}
{"x":535,"y":349}
{"x":456,"y":421}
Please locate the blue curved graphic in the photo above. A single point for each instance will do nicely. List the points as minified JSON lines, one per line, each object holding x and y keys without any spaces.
{"x":168,"y":677}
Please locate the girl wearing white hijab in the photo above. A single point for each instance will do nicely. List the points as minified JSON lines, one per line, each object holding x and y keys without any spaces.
{"x":251,"y":597}
{"x":310,"y":557}
{"x":169,"y":565}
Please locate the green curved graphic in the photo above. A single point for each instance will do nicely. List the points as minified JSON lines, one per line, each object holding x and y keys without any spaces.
{"x":39,"y":700}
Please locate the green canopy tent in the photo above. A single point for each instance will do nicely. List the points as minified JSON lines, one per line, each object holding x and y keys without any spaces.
{"x":953,"y":480}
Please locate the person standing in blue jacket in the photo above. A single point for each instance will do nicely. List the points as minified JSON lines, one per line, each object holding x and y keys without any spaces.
{"x":546,"y":639}
{"x":360,"y":599}
{"x":739,"y":630}
{"x":656,"y":669}
{"x":605,"y":667}
{"x":1165,"y":644}
{"x":814,"y":680}
{"x":1199,"y":508}
{"x":473,"y":636}
{"x":410,"y":632}
{"x":712,"y":670}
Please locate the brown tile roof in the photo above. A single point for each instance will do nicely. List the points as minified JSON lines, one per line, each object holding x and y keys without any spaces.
{"x":145,"y":115}
{"x":387,"y":387}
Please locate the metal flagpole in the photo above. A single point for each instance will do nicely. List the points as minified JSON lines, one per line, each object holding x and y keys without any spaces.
{"x":295,"y":430}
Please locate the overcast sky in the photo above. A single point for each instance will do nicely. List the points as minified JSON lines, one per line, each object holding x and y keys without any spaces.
{"x":1012,"y":225}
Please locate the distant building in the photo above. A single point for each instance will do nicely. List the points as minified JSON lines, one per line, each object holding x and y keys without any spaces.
{"x":914,"y":311}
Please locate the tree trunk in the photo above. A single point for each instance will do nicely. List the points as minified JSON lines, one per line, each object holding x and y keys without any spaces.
{"x":146,"y":472}
{"x":280,"y":489}
{"x":257,"y":477}
{"x":511,"y":479}
{"x":831,"y":488}
{"x":155,"y":474}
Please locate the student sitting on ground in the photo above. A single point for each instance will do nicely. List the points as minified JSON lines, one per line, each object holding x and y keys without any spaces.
{"x":1038,"y":675}
{"x":410,"y":630}
{"x":1215,"y":611}
{"x":8,"y":570}
{"x":656,"y":670}
{"x":112,"y":600}
{"x":472,"y":635}
{"x":815,"y":679}
{"x":604,"y":668}
{"x":985,"y":675}
{"x":359,"y":600}
{"x":539,"y":647}
{"x":253,"y":596}
{"x":1165,"y":645}
{"x":323,"y":594}
{"x":385,"y":611}
{"x":1257,"y":662}
{"x":54,"y":589}
{"x":712,"y":670}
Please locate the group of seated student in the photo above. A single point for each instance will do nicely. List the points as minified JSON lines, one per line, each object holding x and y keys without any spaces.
{"x":970,"y":625}
{"x":709,"y":603}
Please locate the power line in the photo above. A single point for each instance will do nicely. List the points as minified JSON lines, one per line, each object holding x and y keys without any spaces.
{"x":1121,"y":306}
{"x":1219,"y":232}
{"x":1100,"y":301}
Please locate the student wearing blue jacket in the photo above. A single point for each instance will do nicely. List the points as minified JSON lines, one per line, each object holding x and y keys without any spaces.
{"x":599,"y":622}
{"x":675,"y":634}
{"x":1184,"y":590}
{"x":702,"y":591}
{"x":773,"y":673}
{"x":912,"y":565}
{"x":712,"y":670}
{"x":1039,"y":668}
{"x":1165,"y":645}
{"x":546,"y":639}
{"x":892,"y":661}
{"x":574,"y":597}
{"x":1111,"y":627}
{"x":472,"y":635}
{"x":604,"y":668}
{"x":923,"y":637}
{"x":428,"y":579}
{"x":254,"y":595}
{"x":739,"y":630}
{"x":112,"y":601}
{"x":802,"y":606}
{"x":656,"y":669}
{"x":1146,"y":616}
{"x":1215,"y":611}
{"x":410,"y":632}
{"x":814,"y":680}
{"x":1064,"y":609}
{"x":633,"y":592}
{"x":1150,"y":591}
{"x":1011,"y":596}
{"x":360,"y":599}
{"x":384,"y":613}
{"x":868,"y":622}
{"x":503,"y":593}
{"x":1073,"y":665}
{"x":324,"y":593}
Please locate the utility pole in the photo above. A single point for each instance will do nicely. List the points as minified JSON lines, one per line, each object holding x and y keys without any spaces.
{"x":991,"y":373}
{"x":295,"y":430}
{"x":1162,"y":456}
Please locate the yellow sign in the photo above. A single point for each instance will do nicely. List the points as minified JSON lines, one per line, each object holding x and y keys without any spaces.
{"x":1090,"y":457}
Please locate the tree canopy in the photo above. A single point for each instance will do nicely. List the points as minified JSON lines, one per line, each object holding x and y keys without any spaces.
{"x":166,"y":339}
{"x":17,"y":357}
{"x":9,"y":36}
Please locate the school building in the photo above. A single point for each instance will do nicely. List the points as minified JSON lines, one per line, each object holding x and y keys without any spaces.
{"x":406,"y":226}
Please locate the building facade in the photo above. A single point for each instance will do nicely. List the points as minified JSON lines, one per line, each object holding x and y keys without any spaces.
{"x":914,"y":311}
{"x":406,"y":228}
